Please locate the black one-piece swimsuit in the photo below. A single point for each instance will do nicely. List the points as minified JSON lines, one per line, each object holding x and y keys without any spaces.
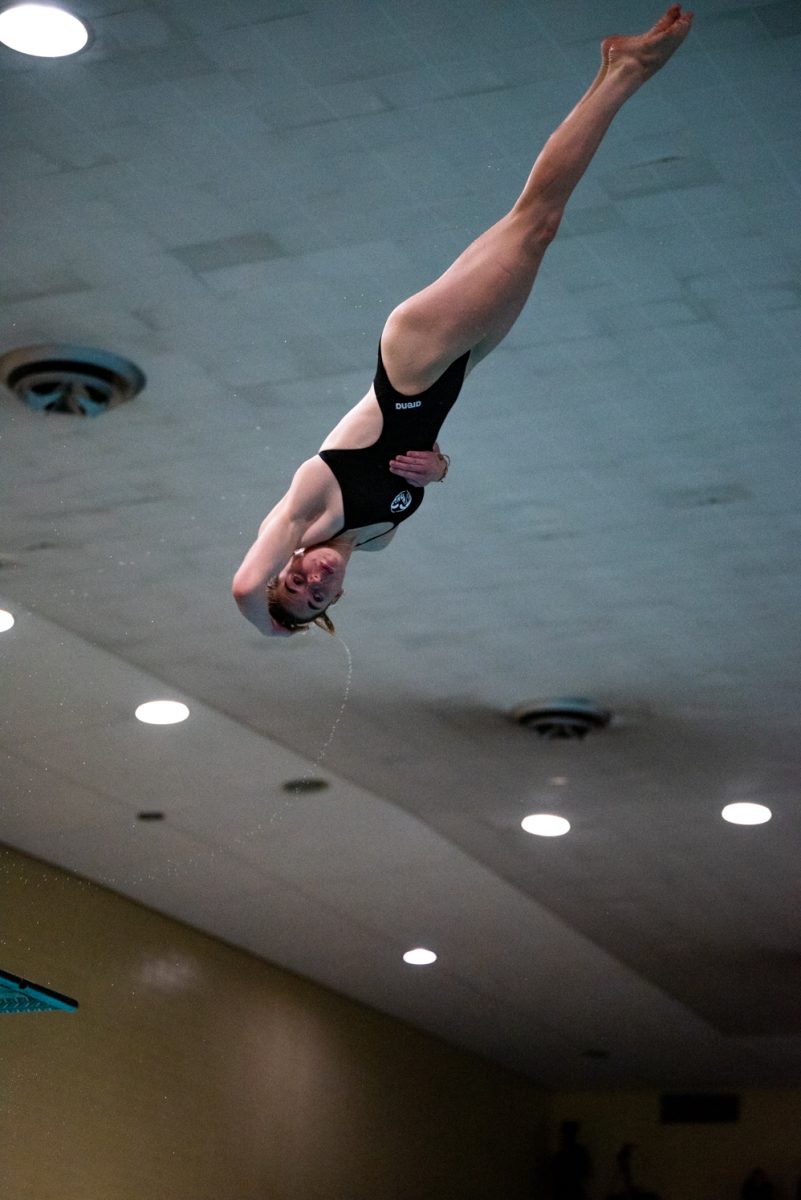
{"x":370,"y":492}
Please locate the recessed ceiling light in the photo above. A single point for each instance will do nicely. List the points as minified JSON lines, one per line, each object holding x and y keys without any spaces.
{"x":6,"y":620}
{"x":420,"y":957}
{"x":744,"y":813}
{"x":42,"y":30}
{"x":545,"y":825}
{"x":162,"y":712}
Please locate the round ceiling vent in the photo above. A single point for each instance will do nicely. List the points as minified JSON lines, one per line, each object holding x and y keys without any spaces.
{"x":566,"y":717}
{"x":70,"y":379}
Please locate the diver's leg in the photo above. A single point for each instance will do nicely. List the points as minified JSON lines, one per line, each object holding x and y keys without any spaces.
{"x":474,"y":304}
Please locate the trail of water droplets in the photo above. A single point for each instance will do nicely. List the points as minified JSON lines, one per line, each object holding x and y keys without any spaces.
{"x":309,"y":776}
{"x":281,"y":806}
{"x":345,"y":697}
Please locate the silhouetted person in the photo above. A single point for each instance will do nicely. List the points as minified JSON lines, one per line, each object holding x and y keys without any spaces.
{"x":623,"y":1186}
{"x":571,"y":1166}
{"x":757,"y":1187}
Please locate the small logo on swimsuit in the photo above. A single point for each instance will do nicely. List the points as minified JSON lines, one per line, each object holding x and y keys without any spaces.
{"x":409,"y":404}
{"x":401,"y":502}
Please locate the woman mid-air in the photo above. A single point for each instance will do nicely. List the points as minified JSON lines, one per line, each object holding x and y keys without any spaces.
{"x":365,"y":479}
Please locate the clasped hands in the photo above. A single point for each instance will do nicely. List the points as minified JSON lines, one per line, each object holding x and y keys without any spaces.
{"x":420,"y":467}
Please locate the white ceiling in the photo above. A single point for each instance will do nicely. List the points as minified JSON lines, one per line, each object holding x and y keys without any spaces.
{"x":234,"y":195}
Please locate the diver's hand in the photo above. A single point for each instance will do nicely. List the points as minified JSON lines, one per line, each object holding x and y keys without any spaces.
{"x":420,"y":467}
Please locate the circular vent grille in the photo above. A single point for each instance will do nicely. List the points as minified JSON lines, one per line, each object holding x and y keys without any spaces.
{"x":567,"y":717}
{"x":79,"y":380}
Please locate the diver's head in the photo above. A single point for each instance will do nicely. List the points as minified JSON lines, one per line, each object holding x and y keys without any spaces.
{"x":307,"y":586}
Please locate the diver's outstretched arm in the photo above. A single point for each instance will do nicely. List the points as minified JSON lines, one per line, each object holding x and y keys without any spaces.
{"x":279,"y":537}
{"x":281,"y":532}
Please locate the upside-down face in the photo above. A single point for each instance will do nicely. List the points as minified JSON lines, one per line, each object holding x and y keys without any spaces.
{"x":311,"y":581}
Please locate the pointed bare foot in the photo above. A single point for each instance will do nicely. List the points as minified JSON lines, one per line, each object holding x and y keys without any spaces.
{"x":649,"y":51}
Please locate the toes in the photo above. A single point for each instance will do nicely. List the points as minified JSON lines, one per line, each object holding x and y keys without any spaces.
{"x":684,"y":24}
{"x":672,"y":15}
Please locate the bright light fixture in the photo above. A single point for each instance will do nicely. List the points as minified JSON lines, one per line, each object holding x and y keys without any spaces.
{"x":6,"y":620}
{"x":746,"y":814}
{"x":162,"y":712}
{"x":419,"y":957}
{"x":43,"y":30}
{"x":545,"y":825}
